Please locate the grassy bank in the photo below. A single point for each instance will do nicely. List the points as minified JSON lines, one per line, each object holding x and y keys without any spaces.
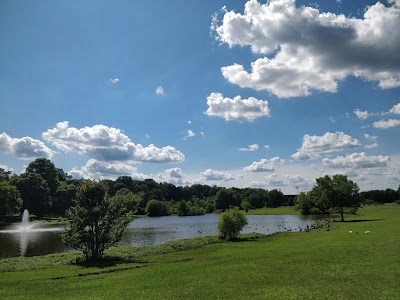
{"x":321,"y":264}
{"x":283,"y":210}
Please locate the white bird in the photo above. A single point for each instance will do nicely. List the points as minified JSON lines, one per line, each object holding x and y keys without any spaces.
{"x":367,"y":231}
{"x":350,"y":231}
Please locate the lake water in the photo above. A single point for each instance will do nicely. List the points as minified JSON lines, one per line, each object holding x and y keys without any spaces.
{"x":45,"y":239}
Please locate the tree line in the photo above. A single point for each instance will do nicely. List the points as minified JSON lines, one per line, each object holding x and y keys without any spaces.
{"x":45,"y":190}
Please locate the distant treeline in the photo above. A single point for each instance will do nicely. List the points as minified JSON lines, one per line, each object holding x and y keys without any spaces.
{"x":48,"y":191}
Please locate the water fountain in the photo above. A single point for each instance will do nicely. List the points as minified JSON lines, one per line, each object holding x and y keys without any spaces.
{"x":26,"y":235}
{"x":25,"y":221}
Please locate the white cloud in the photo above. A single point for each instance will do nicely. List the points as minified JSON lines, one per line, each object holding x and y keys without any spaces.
{"x":307,"y":49}
{"x":213,"y":175}
{"x":160,"y":91}
{"x":24,"y":148}
{"x":95,"y":169}
{"x":112,"y":81}
{"x":189,"y":122}
{"x":373,"y":139}
{"x":264,"y":165}
{"x":6,"y":168}
{"x":396,"y":109}
{"x":174,"y":176}
{"x":236,"y":109}
{"x":266,"y":147}
{"x":386,"y":124}
{"x":252,"y":147}
{"x":363,"y":115}
{"x":357,"y":161}
{"x":275,"y":180}
{"x":202,"y":133}
{"x":313,"y":146}
{"x":190,"y":134}
{"x":105,"y":143}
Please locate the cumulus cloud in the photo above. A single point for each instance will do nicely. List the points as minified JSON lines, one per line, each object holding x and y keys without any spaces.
{"x":95,"y":169}
{"x":236,"y":109}
{"x":306,"y":49}
{"x":252,"y":147}
{"x":363,"y":115}
{"x":160,"y":90}
{"x":105,"y":143}
{"x":214,"y":175}
{"x":373,"y":139}
{"x":190,"y":134}
{"x":264,"y":165}
{"x":314,"y":145}
{"x":357,"y":161}
{"x":386,"y":124}
{"x":396,"y":109}
{"x":283,"y":180}
{"x":175,"y":176}
{"x":24,"y":148}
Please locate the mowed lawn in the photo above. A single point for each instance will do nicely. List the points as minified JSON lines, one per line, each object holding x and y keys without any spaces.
{"x":320,"y":264}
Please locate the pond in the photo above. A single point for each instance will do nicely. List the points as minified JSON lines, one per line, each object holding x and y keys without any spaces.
{"x":44,"y":239}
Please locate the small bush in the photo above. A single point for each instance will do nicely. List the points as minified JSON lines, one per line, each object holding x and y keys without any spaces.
{"x":230,"y":223}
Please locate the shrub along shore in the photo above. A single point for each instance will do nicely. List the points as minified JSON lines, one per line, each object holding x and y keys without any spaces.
{"x":342,"y":263}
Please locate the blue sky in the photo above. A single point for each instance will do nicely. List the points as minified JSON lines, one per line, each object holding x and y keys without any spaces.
{"x":233,"y":93}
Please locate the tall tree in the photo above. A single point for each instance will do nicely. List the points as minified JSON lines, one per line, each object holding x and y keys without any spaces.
{"x":339,"y":192}
{"x":34,"y":193}
{"x":95,"y":222}
{"x":10,"y":201}
{"x":46,"y":169}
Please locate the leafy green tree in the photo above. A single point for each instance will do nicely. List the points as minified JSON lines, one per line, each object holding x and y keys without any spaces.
{"x":276,"y":198}
{"x":65,"y":195}
{"x":95,"y":222}
{"x":34,"y":193}
{"x":230,"y":223}
{"x":155,"y":208}
{"x":245,"y":205}
{"x":46,"y":169}
{"x":129,"y":199}
{"x":4,"y":175}
{"x":226,"y":198}
{"x":10,"y":201}
{"x":339,"y":193}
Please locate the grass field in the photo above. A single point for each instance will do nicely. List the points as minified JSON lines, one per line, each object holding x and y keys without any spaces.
{"x":319,"y":264}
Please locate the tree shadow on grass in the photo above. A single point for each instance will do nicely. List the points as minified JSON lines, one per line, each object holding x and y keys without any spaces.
{"x":360,"y":220}
{"x":107,"y":261}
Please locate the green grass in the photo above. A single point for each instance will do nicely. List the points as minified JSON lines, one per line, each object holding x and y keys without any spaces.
{"x":320,"y":264}
{"x":283,"y":210}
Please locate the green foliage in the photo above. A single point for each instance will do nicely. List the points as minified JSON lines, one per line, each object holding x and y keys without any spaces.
{"x":245,"y":205}
{"x":10,"y":201}
{"x":338,"y":193}
{"x":65,"y":195}
{"x":130,"y":200}
{"x":95,"y":222}
{"x":46,"y":169}
{"x":4,"y":175}
{"x":34,"y":193}
{"x":230,"y":223}
{"x":155,"y":208}
{"x":225,"y":199}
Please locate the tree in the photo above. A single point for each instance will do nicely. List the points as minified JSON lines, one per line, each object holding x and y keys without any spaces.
{"x":10,"y":201}
{"x":95,"y":222}
{"x":155,"y":208}
{"x":230,"y":223}
{"x":226,"y":198}
{"x":46,"y":169}
{"x":338,"y":192}
{"x":65,"y":195}
{"x":4,"y":175}
{"x":34,"y":193}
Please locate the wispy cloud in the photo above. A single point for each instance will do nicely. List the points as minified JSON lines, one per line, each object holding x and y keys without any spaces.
{"x":112,"y":81}
{"x":160,"y":91}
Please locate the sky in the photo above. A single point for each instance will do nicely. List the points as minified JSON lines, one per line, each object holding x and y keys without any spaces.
{"x":267,"y":94}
